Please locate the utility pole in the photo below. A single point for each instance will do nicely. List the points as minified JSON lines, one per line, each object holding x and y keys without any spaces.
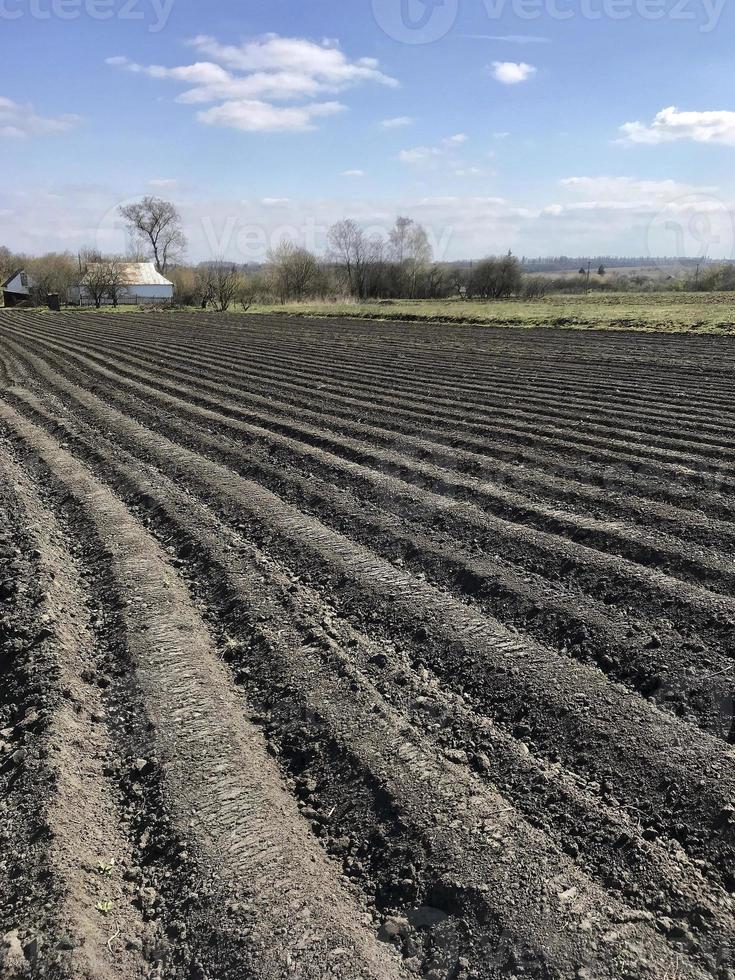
{"x":81,"y":276}
{"x":589,"y":265}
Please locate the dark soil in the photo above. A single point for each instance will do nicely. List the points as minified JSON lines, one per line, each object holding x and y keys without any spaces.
{"x":350,"y":649}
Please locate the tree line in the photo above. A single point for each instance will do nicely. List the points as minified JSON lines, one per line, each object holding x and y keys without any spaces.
{"x":399,"y":265}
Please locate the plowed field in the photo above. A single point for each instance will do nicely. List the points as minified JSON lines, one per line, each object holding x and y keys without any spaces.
{"x":364,"y":650}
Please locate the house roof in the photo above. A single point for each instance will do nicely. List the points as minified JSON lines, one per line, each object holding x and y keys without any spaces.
{"x":10,"y":278}
{"x":138,"y":274}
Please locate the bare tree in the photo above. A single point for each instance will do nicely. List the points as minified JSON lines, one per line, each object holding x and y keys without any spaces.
{"x":87,"y":255}
{"x":399,"y":238}
{"x":104,"y":279}
{"x":95,"y":282}
{"x":205,"y":285}
{"x":350,"y":250}
{"x":117,"y":280}
{"x":247,"y":292}
{"x":496,"y":278}
{"x":220,"y":284}
{"x":294,"y":271}
{"x":55,"y":272}
{"x":411,"y":252}
{"x":458,"y":279}
{"x":435,"y":281}
{"x":10,"y":262}
{"x":157,"y":225}
{"x":226,"y":286}
{"x":376,"y":268}
{"x":418,"y":256}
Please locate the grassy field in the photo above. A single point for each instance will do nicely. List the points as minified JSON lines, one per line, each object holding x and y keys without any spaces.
{"x":666,"y":311}
{"x":704,"y":312}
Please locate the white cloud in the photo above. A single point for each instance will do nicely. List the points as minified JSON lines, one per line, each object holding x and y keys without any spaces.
{"x":512,"y":72}
{"x":619,"y":215}
{"x":398,"y":122}
{"x":473,"y":172}
{"x":324,"y":62}
{"x":212,"y":82}
{"x":670,"y":124}
{"x":630,"y":192}
{"x":353,"y":173}
{"x":164,"y":183}
{"x":21,"y":121}
{"x":256,"y":117}
{"x":581,"y":214}
{"x":418,"y":154}
{"x":247,"y":80}
{"x":423,"y":154}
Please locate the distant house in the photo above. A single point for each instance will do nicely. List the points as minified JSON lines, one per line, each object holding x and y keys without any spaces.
{"x":17,"y":288}
{"x":143,"y":284}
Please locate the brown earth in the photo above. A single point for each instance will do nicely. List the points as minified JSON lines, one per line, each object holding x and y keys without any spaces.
{"x":354,"y":650}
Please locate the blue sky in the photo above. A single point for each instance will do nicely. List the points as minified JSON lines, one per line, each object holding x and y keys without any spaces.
{"x":545,"y":126}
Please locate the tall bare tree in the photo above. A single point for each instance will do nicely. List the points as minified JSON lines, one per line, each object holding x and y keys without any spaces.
{"x":417,"y":258}
{"x":399,"y":238}
{"x":156,"y":224}
{"x":350,"y":250}
{"x":411,"y":251}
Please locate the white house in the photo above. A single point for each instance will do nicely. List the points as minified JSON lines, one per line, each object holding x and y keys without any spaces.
{"x":17,"y":288}
{"x":144,"y":284}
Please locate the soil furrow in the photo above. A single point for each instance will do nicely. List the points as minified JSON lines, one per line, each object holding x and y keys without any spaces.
{"x":245,"y":609}
{"x":685,"y":561}
{"x":681,"y":675}
{"x":87,"y":928}
{"x":224,"y":789}
{"x":650,"y":442}
{"x":339,"y":648}
{"x":616,"y":580}
{"x":557,"y":714}
{"x":468,"y":373}
{"x":686,"y":523}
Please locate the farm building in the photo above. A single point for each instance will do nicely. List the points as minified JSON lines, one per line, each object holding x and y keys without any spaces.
{"x":17,"y":288}
{"x":144,"y":284}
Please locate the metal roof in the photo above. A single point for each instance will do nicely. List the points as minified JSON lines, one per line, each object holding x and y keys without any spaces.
{"x":138,"y":274}
{"x":10,"y":278}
